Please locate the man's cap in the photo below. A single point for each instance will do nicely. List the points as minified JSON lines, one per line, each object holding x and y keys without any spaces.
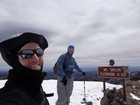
{"x":10,"y":47}
{"x":70,"y":46}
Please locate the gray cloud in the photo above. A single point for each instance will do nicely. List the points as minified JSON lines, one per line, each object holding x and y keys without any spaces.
{"x":100,"y":30}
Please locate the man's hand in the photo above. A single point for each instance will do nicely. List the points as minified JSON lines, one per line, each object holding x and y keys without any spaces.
{"x":83,"y":73}
{"x":64,"y":80}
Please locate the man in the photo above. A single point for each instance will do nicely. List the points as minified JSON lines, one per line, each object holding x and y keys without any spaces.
{"x":65,"y":65}
{"x":111,"y":62}
{"x":24,"y":53}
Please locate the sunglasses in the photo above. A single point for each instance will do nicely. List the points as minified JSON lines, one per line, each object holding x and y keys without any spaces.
{"x":25,"y":54}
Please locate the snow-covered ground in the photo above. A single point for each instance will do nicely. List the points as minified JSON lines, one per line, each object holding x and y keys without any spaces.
{"x":134,"y":97}
{"x":93,"y":91}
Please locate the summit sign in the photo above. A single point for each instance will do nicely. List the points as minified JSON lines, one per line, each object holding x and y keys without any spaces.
{"x":113,"y":72}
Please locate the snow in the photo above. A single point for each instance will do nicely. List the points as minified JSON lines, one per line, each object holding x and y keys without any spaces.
{"x":134,"y":97}
{"x":93,"y":91}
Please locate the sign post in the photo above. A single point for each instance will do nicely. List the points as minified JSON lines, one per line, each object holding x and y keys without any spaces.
{"x":114,"y":72}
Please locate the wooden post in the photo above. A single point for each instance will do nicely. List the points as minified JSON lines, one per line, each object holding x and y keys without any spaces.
{"x":104,"y":85}
{"x":124,"y":91}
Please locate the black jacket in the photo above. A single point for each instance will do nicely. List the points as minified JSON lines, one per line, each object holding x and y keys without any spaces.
{"x":23,"y":87}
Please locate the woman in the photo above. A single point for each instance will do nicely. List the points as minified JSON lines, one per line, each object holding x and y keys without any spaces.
{"x":24,"y":53}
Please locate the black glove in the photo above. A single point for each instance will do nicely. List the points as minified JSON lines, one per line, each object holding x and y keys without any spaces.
{"x":64,"y":80}
{"x":83,"y":73}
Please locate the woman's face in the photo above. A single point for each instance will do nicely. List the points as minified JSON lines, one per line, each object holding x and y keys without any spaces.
{"x":31,"y":56}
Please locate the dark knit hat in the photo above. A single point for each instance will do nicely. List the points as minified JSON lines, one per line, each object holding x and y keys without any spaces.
{"x":70,"y":46}
{"x":10,"y":47}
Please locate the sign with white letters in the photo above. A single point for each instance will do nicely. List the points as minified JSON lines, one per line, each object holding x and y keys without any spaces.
{"x":113,"y":72}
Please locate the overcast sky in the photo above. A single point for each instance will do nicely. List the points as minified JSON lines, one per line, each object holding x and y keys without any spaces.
{"x":99,"y":29}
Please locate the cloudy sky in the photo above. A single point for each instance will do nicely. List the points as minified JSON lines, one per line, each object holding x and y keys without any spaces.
{"x":99,"y":29}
